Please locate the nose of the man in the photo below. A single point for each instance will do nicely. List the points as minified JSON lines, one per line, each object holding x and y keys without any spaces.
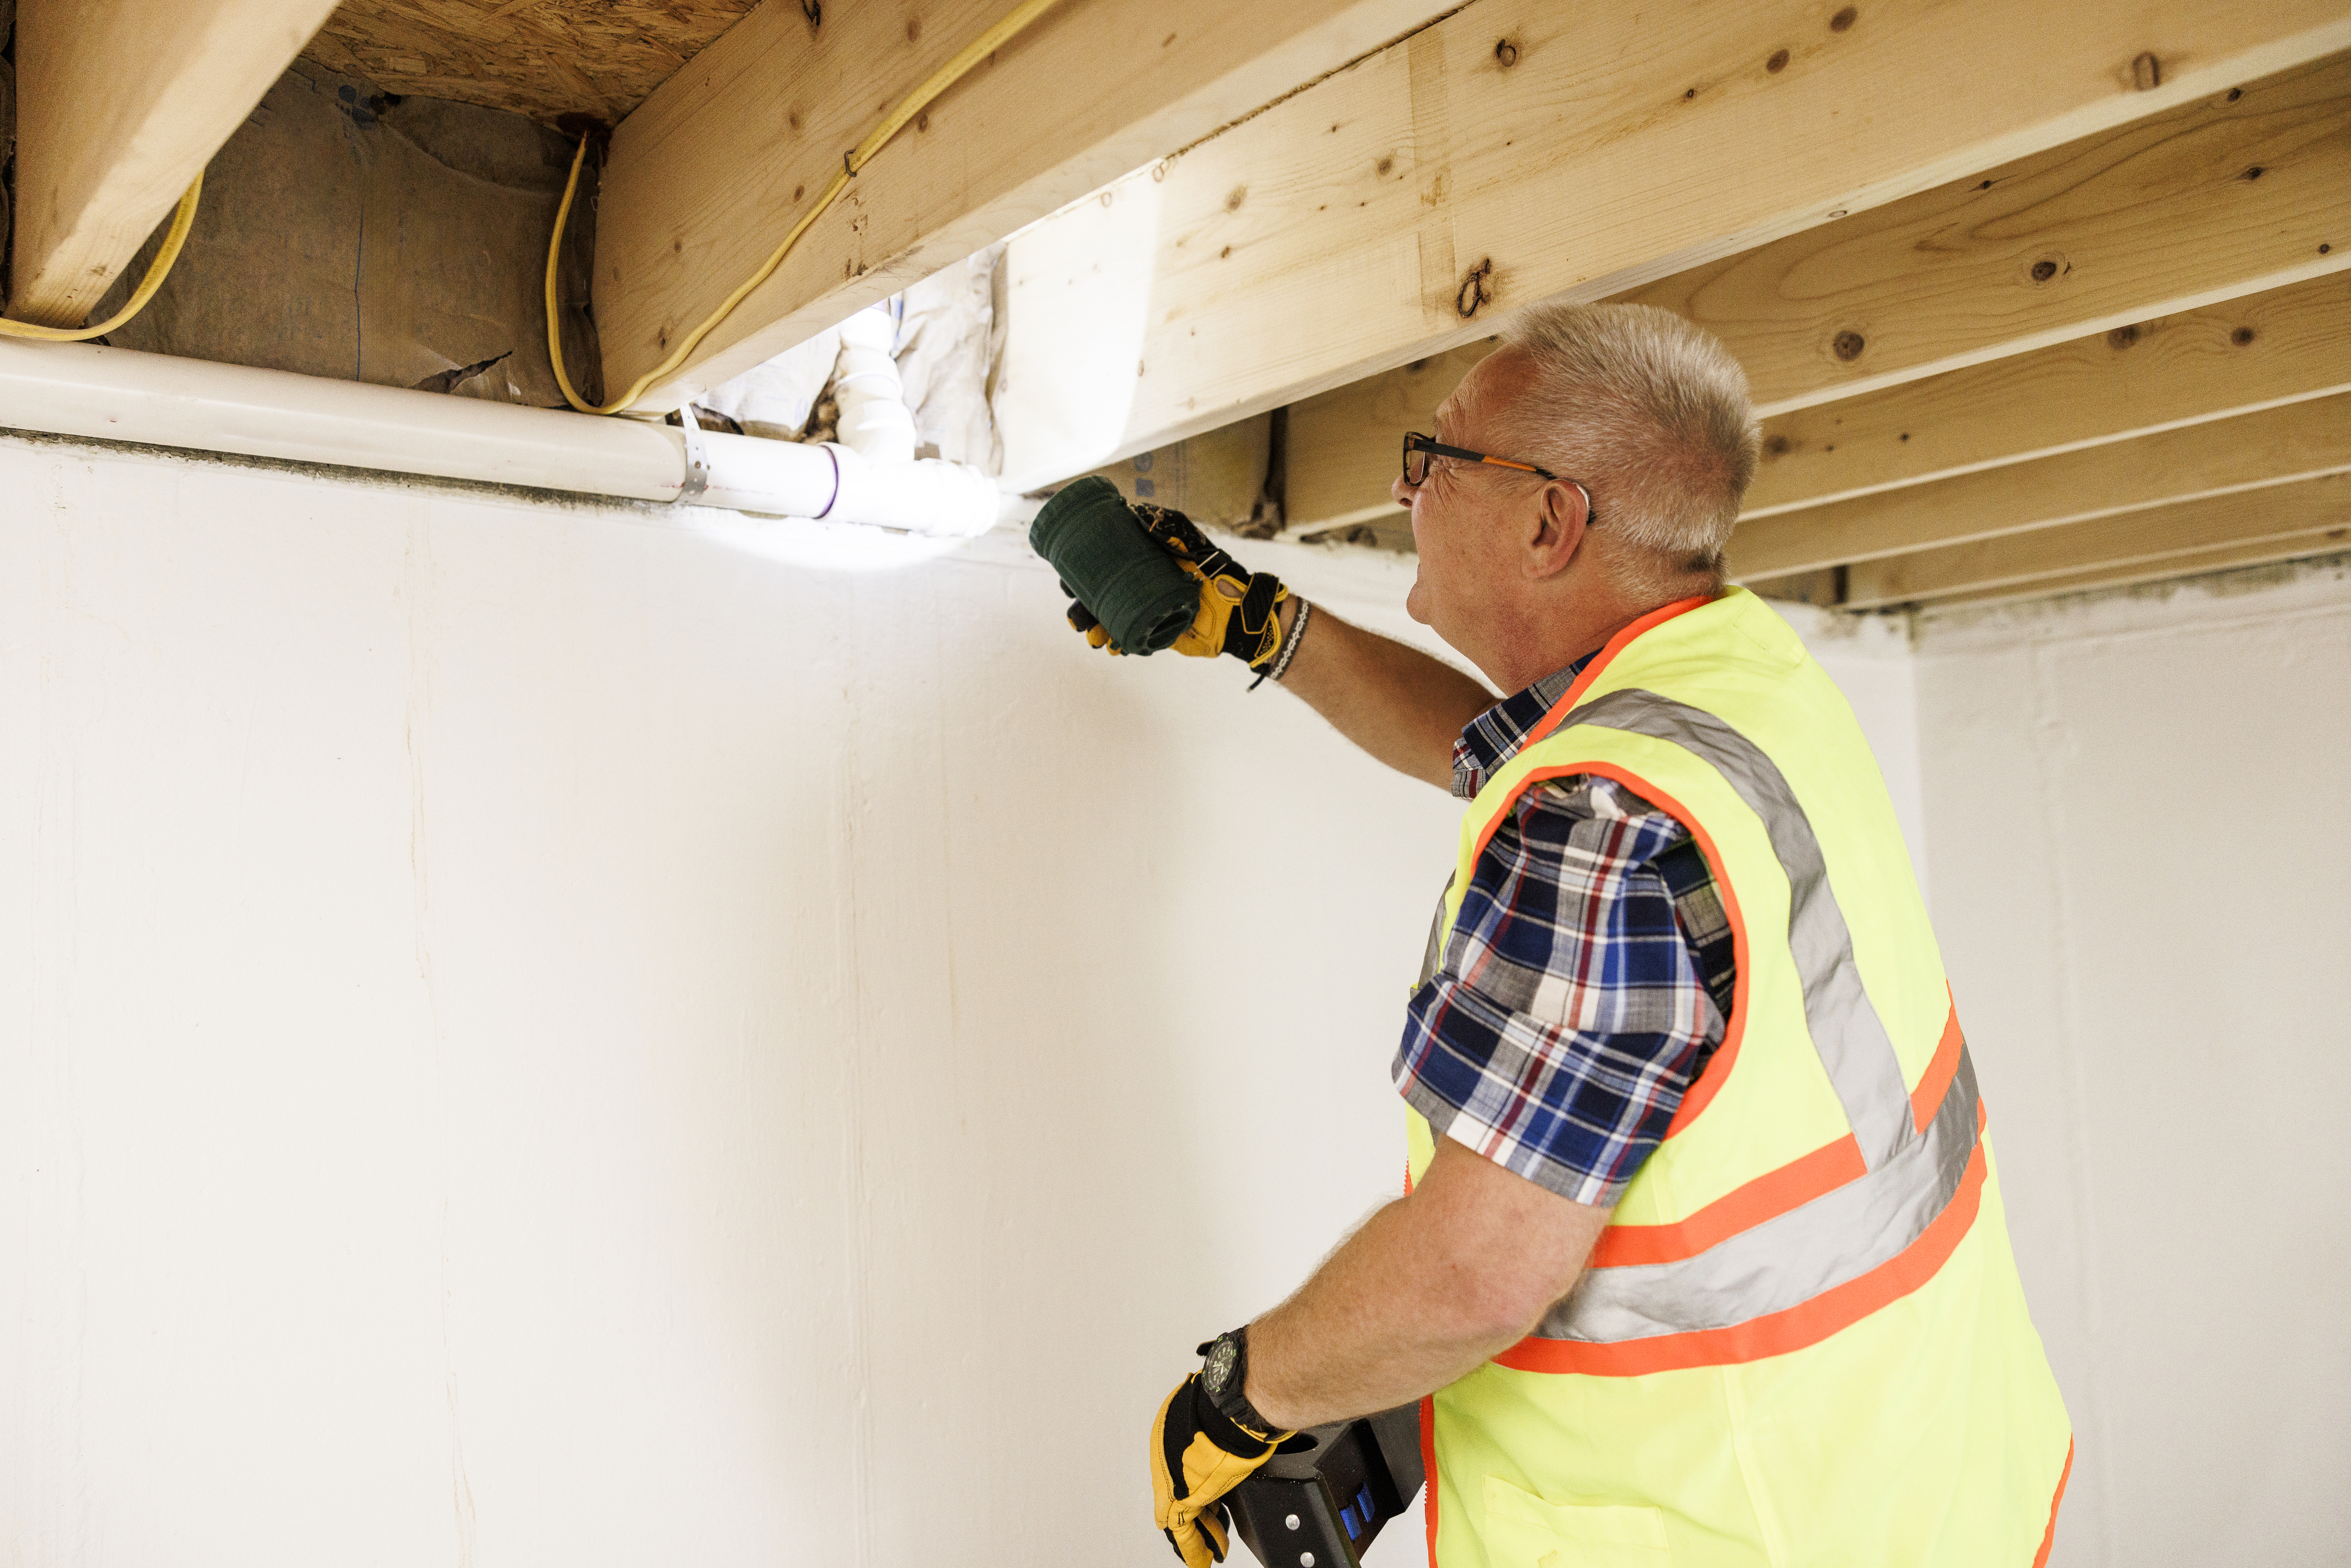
{"x":1399,"y":492}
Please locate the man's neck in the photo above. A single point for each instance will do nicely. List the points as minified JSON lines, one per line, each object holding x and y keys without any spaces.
{"x":1547,"y":648}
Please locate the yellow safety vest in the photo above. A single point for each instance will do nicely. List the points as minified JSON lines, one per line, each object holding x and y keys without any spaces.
{"x":1801,"y":1338}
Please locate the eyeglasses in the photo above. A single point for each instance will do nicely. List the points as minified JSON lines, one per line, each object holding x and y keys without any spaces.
{"x":1419,"y":448}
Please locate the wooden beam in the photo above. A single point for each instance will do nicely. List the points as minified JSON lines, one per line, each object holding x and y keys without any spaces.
{"x":709,"y":174}
{"x":119,"y":104}
{"x":2245,"y":190}
{"x":1521,"y":149}
{"x":1344,"y":445}
{"x":1824,"y":588}
{"x":2224,"y":360}
{"x":2277,"y":447}
{"x":2158,"y":534}
{"x":2150,"y":215}
{"x":2262,"y":552}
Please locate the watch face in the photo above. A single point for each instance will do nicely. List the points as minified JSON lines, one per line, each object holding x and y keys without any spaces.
{"x":1218,"y":1369}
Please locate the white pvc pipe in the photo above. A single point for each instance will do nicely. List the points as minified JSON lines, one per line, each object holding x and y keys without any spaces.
{"x":121,"y":395}
{"x":875,"y":418}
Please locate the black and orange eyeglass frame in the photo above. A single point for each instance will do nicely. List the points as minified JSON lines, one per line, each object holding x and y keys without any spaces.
{"x":1418,"y":449}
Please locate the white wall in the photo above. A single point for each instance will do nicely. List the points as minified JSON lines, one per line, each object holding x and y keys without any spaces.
{"x":534,"y":1034}
{"x":535,"y":1038}
{"x":2137,"y":810}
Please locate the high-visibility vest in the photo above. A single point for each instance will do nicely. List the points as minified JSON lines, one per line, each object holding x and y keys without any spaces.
{"x":1801,"y":1339}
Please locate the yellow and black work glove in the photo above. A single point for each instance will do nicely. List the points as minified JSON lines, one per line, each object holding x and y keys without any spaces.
{"x":1197,"y":1455}
{"x":1239,"y":609}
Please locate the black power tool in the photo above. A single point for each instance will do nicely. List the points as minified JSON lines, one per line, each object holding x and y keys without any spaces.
{"x":1322,"y":1507}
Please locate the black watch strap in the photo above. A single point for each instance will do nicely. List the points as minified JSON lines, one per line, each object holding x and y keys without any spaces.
{"x":1224,"y":1378}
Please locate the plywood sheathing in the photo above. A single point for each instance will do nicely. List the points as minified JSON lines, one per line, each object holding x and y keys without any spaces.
{"x":545,"y":58}
{"x":400,"y":243}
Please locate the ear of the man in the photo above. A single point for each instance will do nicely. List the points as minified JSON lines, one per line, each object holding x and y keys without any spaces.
{"x":1559,"y":526}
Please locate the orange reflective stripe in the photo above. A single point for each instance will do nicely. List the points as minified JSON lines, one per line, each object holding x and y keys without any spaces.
{"x":1717,"y":1067}
{"x":1797,"y":1183}
{"x":1940,"y":1069}
{"x":1616,"y":644}
{"x":1780,"y":1332}
{"x":2048,"y":1536}
{"x":1774,"y":1193}
{"x":1428,"y":1470}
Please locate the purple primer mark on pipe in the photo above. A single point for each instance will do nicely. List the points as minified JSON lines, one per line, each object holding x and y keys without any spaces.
{"x":828,"y":505}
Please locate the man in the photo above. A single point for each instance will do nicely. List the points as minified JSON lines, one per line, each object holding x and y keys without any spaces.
{"x":1701,"y":1260}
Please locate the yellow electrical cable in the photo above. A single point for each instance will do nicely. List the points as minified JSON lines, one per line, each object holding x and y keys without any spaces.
{"x":945,"y":77}
{"x":157,"y":270}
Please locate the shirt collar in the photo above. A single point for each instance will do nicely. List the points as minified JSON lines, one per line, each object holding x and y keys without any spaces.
{"x":1494,"y":737}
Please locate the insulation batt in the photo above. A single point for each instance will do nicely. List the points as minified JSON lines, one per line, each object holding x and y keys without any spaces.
{"x":942,"y":339}
{"x":775,"y":399}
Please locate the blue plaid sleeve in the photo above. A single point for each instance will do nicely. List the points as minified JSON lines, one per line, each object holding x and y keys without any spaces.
{"x":1570,"y":1011}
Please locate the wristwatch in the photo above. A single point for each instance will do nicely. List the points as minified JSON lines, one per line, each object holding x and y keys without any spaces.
{"x":1224,"y":1378}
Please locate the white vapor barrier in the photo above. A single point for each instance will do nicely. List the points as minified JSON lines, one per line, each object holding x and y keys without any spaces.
{"x":534,"y":1038}
{"x":545,"y":1032}
{"x":2137,"y":805}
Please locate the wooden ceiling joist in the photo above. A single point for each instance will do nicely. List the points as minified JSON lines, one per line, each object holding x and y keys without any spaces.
{"x":2164,"y":537}
{"x":2261,"y":552}
{"x":710,"y":172}
{"x":2130,"y":224}
{"x":1345,"y":446}
{"x":1519,"y":150}
{"x":2275,"y":446}
{"x":2224,"y":360}
{"x":2245,"y":190}
{"x":119,"y":104}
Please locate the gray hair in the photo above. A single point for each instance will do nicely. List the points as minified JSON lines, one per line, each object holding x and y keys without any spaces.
{"x":1651,"y":413}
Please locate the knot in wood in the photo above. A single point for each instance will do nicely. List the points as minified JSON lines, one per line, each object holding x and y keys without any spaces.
{"x":1507,"y":52}
{"x":1847,"y":345}
{"x":2147,"y":73}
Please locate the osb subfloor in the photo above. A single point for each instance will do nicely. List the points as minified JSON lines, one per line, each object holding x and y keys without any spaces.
{"x":545,"y":58}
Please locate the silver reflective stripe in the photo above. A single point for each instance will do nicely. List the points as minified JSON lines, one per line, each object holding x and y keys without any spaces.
{"x":1852,"y":1042}
{"x":1792,"y":1258}
{"x":1909,"y":1177}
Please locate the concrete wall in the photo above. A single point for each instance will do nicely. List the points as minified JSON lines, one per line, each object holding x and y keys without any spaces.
{"x":2136,"y":806}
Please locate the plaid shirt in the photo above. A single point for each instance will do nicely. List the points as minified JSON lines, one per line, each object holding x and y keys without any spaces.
{"x":1585,"y":982}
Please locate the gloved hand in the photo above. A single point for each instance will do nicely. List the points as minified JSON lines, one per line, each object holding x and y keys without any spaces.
{"x":1238,"y":610}
{"x":1197,"y":1455}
